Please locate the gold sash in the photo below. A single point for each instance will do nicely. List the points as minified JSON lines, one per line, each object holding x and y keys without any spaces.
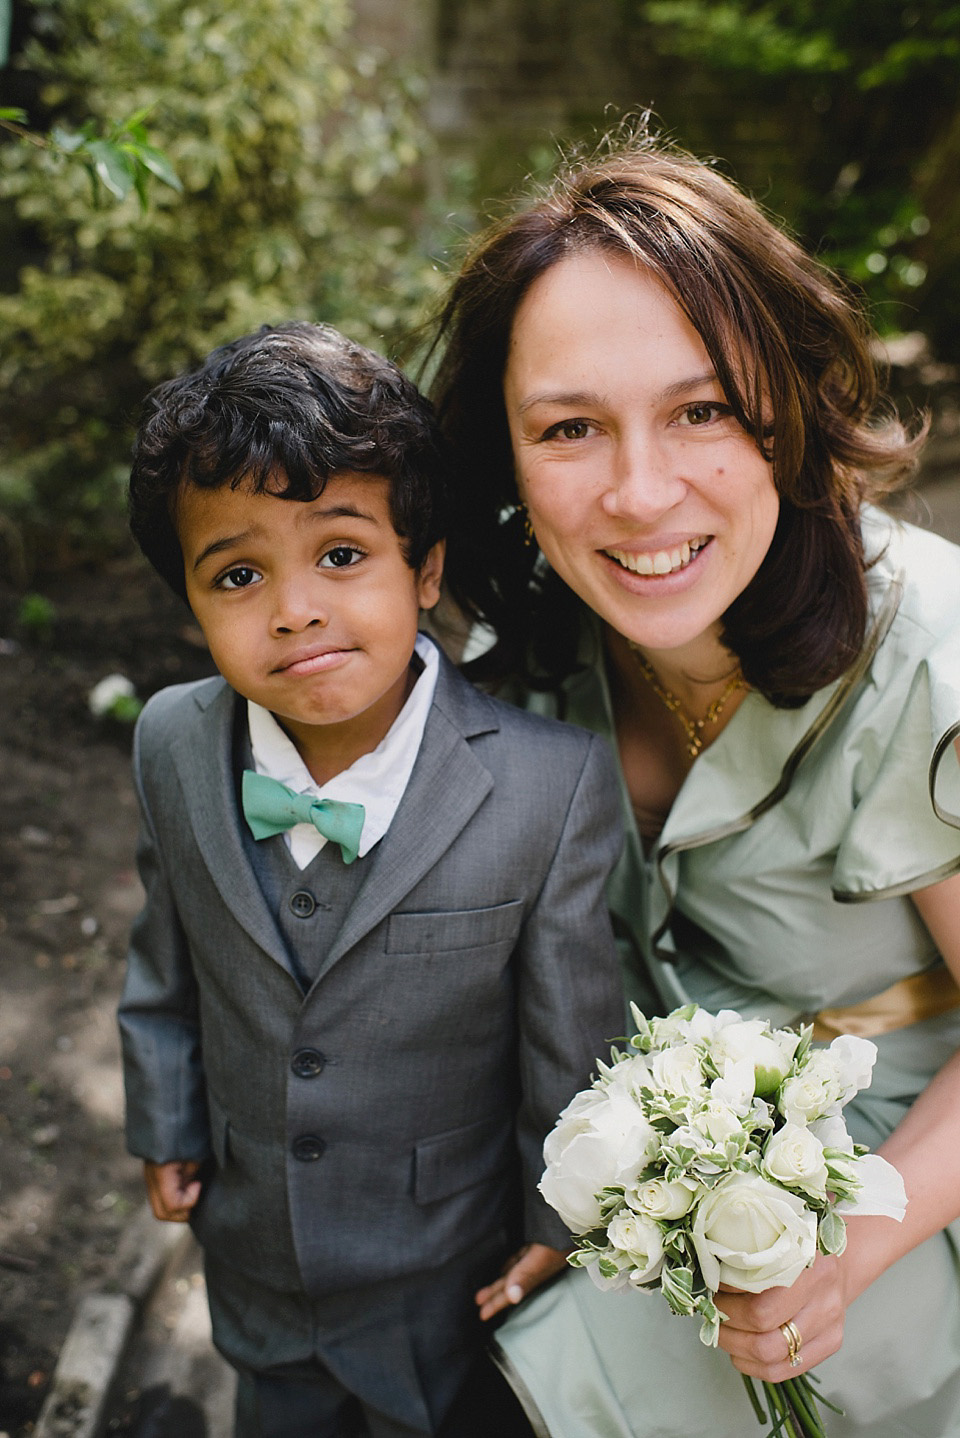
{"x":921,"y":996}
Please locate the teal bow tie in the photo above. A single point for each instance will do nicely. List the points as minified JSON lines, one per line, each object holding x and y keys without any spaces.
{"x":269,"y":808}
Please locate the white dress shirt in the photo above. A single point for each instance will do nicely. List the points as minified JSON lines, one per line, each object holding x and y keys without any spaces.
{"x":376,"y":780}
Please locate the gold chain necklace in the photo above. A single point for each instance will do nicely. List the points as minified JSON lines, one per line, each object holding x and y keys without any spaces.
{"x":693,"y":728}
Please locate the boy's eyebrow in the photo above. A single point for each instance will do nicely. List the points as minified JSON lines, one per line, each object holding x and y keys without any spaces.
{"x":230,"y":541}
{"x":217,"y":545}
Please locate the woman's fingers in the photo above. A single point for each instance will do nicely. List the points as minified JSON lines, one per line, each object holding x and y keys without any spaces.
{"x":765,"y":1332}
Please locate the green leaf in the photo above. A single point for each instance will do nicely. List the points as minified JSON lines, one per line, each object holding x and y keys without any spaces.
{"x":157,"y":163}
{"x":14,"y":114}
{"x":832,"y":1233}
{"x":112,"y":167}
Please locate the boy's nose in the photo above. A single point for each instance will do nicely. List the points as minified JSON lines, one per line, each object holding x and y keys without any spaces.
{"x":297,"y":607}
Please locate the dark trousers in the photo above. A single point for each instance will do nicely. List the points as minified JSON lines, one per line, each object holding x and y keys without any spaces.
{"x":274,"y":1407}
{"x":393,"y":1360}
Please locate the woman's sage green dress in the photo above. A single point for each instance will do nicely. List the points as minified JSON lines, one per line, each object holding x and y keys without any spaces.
{"x":779,"y":887}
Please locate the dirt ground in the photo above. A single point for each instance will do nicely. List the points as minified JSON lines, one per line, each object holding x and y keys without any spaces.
{"x":68,"y":890}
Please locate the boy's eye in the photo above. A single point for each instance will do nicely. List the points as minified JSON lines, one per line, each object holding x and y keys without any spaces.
{"x":342,"y":556}
{"x":238,"y":578}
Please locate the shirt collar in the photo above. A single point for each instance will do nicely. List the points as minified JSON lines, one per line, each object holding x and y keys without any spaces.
{"x":376,"y":780}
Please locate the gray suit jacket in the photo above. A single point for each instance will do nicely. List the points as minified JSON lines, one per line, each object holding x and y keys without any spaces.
{"x":463,"y":1002}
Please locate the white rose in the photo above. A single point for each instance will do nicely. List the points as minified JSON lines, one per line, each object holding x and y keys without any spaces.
{"x":601,"y":1139}
{"x":717,"y":1122}
{"x":769,"y":1053}
{"x":812,"y":1093}
{"x":661,"y":1200}
{"x":641,"y":1241}
{"x":677,"y":1071}
{"x":753,"y":1235}
{"x":794,"y":1156}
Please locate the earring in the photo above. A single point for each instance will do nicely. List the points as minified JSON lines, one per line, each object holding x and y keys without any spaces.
{"x":529,"y":538}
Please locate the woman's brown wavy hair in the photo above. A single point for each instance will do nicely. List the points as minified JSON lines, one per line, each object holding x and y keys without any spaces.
{"x":783,"y":336}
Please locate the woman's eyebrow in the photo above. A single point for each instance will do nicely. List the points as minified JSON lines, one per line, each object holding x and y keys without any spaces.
{"x":566,"y":398}
{"x":681,"y":386}
{"x":574,"y":398}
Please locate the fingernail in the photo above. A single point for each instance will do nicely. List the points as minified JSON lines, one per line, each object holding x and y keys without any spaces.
{"x":515,"y":1293}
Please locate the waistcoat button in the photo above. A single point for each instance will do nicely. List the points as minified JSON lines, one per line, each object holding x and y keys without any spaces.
{"x":307,"y":1063}
{"x":307,"y":1148}
{"x":303,"y":904}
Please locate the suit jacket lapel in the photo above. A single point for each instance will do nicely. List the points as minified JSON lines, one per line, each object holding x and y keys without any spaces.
{"x":446,"y":788}
{"x":203,"y":757}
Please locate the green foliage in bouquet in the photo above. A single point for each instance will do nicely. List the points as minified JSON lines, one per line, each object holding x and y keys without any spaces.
{"x":296,"y":155}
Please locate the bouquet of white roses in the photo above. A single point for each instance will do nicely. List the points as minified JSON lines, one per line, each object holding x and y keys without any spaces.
{"x":713,"y":1152}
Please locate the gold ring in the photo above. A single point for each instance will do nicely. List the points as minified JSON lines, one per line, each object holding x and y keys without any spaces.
{"x":791,"y":1333}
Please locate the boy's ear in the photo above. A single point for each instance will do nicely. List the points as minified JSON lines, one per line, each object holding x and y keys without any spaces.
{"x":429,"y":576}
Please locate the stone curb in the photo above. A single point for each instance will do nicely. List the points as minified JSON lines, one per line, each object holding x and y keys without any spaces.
{"x":75,"y":1406}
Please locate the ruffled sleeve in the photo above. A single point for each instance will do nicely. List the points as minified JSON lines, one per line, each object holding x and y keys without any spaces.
{"x":905,"y":829}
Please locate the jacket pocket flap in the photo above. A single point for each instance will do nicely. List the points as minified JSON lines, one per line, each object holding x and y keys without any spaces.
{"x":450,"y":1162}
{"x":453,"y":929}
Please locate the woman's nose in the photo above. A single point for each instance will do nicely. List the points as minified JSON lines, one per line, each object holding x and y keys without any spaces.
{"x":645,"y":481}
{"x":297,"y":606}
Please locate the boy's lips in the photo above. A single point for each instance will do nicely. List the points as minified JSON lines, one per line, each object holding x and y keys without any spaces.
{"x":312,"y":659}
{"x":668,"y":559}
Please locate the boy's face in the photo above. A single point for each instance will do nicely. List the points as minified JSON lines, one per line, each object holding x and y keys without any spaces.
{"x":309,"y":608}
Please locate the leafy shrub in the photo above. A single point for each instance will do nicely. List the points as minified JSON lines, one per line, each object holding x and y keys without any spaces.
{"x":298,"y":156}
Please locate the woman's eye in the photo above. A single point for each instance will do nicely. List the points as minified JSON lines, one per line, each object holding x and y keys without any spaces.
{"x":569,"y":429}
{"x":342,"y":556}
{"x":240,"y":578}
{"x":703,"y":413}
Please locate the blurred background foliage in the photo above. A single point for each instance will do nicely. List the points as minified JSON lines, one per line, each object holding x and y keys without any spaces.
{"x":331,"y":161}
{"x":294,"y":149}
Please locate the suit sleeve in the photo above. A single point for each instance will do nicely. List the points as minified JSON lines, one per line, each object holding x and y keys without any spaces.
{"x":158,"y":1012}
{"x":570,"y":990}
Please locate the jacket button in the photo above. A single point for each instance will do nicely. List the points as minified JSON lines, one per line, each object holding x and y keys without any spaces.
{"x":307,"y":1063}
{"x":307,"y":1148}
{"x":303,"y":904}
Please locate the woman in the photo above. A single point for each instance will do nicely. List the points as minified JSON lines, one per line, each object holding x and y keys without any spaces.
{"x":643,"y":374}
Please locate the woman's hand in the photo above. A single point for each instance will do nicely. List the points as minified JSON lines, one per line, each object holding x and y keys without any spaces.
{"x":526,"y":1270}
{"x":753,"y":1334}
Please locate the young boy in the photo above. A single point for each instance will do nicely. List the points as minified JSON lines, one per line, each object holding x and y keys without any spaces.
{"x":374,"y":960}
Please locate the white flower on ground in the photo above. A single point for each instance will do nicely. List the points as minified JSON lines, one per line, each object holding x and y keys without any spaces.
{"x":104,"y":695}
{"x":753,"y":1235}
{"x":793,"y":1156}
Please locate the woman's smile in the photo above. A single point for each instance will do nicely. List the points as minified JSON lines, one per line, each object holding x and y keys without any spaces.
{"x":660,"y":561}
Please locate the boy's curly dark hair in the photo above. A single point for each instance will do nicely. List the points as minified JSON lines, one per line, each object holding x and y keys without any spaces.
{"x":284,"y":409}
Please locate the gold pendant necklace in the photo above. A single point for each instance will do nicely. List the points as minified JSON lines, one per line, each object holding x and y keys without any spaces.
{"x":693,"y":728}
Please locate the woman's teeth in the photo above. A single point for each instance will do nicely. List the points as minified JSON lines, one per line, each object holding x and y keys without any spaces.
{"x":659,"y":561}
